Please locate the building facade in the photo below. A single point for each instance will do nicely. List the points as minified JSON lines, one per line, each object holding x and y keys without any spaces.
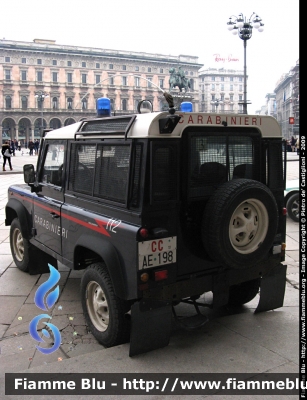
{"x":46,"y":85}
{"x":221,"y":90}
{"x":287,"y":102}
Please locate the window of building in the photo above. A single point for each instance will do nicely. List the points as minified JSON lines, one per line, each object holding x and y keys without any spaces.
{"x":7,"y":59}
{"x":124,"y":104}
{"x":149,"y":81}
{"x":83,"y":78}
{"x":68,"y":63}
{"x":191,"y":73}
{"x":212,"y":97}
{"x":124,"y":81}
{"x":231,"y":97}
{"x":161,"y":70}
{"x":54,"y":76}
{"x":83,"y":64}
{"x":213,"y":86}
{"x":39,"y":76}
{"x":222,"y":97}
{"x":149,"y":69}
{"x":24,"y":102}
{"x":69,"y":103}
{"x":23,"y":75}
{"x":69,"y":77}
{"x":8,"y":102}
{"x":202,"y":97}
{"x":136,"y":81}
{"x":124,"y":67}
{"x":240,"y":88}
{"x":97,"y":79}
{"x":231,"y":79}
{"x":110,"y":66}
{"x":240,"y":97}
{"x":213,"y":78}
{"x":192,"y":84}
{"x":39,"y":61}
{"x":7,"y":74}
{"x":84,"y":104}
{"x":231,"y":107}
{"x":54,"y":62}
{"x":23,"y":60}
{"x":161,"y":83}
{"x":240,"y":79}
{"x":222,"y":78}
{"x":111,"y":79}
{"x":203,"y":79}
{"x":222,"y":86}
{"x":231,"y":87}
{"x":55,"y":103}
{"x":97,"y":65}
{"x":137,"y":69}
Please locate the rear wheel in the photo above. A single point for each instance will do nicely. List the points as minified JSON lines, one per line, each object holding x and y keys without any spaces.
{"x":293,"y":207}
{"x":19,"y":247}
{"x":244,"y":292}
{"x":105,"y":313}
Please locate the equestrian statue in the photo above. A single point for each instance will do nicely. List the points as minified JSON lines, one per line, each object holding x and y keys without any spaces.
{"x":178,"y":79}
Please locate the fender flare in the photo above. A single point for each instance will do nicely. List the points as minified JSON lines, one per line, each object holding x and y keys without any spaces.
{"x":109,"y":255}
{"x":22,"y":214}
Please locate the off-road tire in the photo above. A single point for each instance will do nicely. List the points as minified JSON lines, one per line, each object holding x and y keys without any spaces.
{"x":244,"y":292}
{"x":239,"y":223}
{"x":105,"y":313}
{"x":293,"y":207}
{"x":19,"y":247}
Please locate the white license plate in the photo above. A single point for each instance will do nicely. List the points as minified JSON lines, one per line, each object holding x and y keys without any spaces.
{"x":153,"y":253}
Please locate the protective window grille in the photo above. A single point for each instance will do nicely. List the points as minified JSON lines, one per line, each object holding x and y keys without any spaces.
{"x":113,"y":125}
{"x":111,"y":178}
{"x":216,"y":159}
{"x":101,"y":171}
{"x":275,"y":157}
{"x":164,"y":173}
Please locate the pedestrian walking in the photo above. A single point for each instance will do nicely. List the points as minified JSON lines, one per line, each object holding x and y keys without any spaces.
{"x":12,"y":147}
{"x":19,"y":145}
{"x":7,"y":154}
{"x":36,"y":146}
{"x":298,"y":146}
{"x":31,"y":147}
{"x":293,"y":142}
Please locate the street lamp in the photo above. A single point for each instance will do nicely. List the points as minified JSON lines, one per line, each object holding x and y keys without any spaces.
{"x":216,"y":103}
{"x":244,"y":28}
{"x":41,"y":95}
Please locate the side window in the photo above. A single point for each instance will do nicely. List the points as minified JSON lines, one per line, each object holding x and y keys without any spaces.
{"x":102,"y":171}
{"x":52,"y":169}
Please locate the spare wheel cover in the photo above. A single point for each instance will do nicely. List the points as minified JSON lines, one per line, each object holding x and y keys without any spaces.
{"x":239,"y":223}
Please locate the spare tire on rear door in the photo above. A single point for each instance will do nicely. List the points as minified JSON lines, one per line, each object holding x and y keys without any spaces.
{"x":239,"y":223}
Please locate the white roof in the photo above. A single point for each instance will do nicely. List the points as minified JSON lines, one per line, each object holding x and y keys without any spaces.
{"x":147,"y":125}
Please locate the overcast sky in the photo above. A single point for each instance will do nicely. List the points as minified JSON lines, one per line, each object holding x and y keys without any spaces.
{"x":193,"y":27}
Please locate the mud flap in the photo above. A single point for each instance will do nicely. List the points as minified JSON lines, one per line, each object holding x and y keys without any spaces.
{"x":151,"y":322}
{"x":272,"y":289}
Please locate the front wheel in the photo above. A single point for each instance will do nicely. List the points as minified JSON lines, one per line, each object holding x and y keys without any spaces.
{"x":105,"y":313}
{"x":293,"y":207}
{"x":19,"y":247}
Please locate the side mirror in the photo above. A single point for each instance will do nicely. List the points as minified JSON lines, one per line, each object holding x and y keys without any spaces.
{"x":29,"y":173}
